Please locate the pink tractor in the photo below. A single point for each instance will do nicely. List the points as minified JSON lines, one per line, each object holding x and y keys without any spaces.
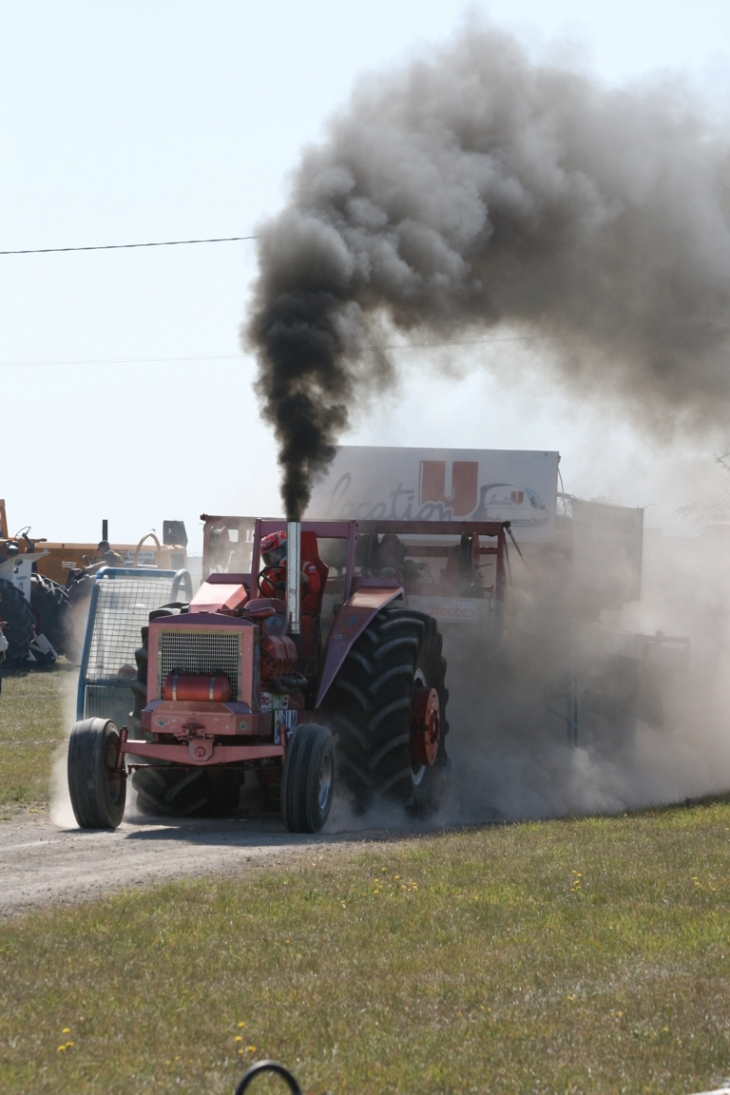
{"x":240,"y":681}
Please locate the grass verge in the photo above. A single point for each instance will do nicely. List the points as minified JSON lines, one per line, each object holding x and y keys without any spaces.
{"x":578,"y":956}
{"x":32,"y":725}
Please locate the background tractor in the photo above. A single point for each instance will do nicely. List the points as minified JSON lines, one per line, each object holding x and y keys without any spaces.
{"x":33,"y":608}
{"x":45,"y":586}
{"x":78,"y":564}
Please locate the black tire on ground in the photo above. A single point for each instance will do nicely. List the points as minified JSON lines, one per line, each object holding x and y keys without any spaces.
{"x":175,"y":791}
{"x":51,"y":611}
{"x":308,"y":780}
{"x":369,"y":706}
{"x":97,"y":797}
{"x":269,"y":783}
{"x":171,"y":791}
{"x":224,"y":791}
{"x":18,"y":618}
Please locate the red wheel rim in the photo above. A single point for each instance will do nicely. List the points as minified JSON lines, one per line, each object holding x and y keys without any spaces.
{"x":425,"y":727}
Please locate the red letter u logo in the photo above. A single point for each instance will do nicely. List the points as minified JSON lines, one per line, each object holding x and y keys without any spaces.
{"x":463,"y":497}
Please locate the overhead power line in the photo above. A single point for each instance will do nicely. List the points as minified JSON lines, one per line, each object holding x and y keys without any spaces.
{"x":237,"y":357}
{"x":120,"y":246}
{"x":169,"y":243}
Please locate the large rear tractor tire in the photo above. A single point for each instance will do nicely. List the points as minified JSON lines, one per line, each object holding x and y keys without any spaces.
{"x":308,"y":780}
{"x":224,"y":791}
{"x":388,"y":707}
{"x":97,"y":792}
{"x":51,"y":611}
{"x":174,"y":791}
{"x":17,"y":616}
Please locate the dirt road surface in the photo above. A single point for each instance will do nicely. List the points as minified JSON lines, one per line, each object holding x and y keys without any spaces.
{"x":44,"y":864}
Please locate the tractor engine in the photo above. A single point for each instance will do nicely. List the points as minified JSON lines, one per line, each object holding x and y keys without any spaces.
{"x":221,"y":673}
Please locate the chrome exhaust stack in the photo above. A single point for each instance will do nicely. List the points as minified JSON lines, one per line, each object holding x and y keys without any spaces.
{"x":294,"y":577}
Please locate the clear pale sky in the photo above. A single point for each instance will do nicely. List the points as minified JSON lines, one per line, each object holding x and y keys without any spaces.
{"x":170,"y":119}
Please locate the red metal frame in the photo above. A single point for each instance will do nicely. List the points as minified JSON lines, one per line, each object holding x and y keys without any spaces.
{"x":349,"y":530}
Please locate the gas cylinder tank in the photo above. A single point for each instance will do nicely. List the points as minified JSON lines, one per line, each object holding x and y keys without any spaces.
{"x":190,"y":686}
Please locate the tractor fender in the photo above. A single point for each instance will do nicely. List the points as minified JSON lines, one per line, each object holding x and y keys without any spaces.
{"x":372,"y":595}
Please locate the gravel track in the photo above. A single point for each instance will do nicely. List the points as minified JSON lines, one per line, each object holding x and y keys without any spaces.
{"x":44,"y":864}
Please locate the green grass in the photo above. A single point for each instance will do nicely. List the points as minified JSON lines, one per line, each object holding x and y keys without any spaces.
{"x":32,"y":725}
{"x":579,"y":956}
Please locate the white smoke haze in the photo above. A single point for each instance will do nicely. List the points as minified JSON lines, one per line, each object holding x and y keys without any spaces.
{"x":603,"y":454}
{"x":509,"y":747}
{"x":62,"y":813}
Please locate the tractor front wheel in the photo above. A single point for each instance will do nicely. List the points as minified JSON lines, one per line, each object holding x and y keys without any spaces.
{"x":309,"y":779}
{"x":98,"y":789}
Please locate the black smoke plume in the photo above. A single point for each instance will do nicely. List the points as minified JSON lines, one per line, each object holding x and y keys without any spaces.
{"x":476,"y":188}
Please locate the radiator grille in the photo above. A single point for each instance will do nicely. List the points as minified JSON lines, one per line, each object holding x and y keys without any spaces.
{"x":204,"y":652}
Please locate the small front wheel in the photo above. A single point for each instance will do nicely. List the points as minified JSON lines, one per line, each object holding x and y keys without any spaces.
{"x":98,"y":790}
{"x":309,"y":779}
